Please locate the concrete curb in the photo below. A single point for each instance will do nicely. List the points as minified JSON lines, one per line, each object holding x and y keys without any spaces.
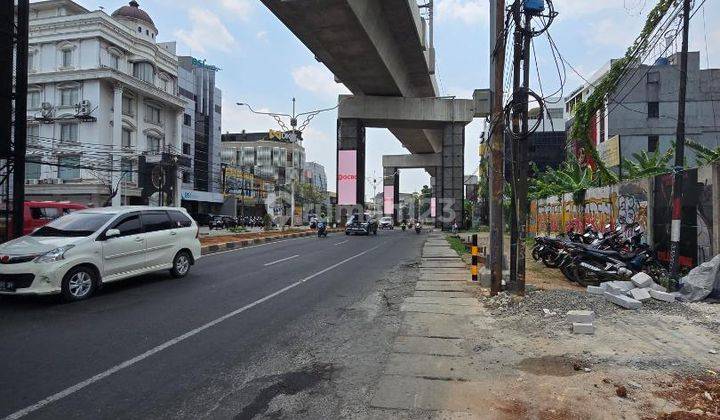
{"x":229,"y":246}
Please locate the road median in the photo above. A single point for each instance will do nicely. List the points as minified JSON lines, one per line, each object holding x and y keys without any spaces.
{"x":211,"y":245}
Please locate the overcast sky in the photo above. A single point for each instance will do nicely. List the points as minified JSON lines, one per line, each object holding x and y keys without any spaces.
{"x":265,"y":65}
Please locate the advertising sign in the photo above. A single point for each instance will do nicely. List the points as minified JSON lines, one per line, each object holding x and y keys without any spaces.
{"x":388,"y":200}
{"x":433,"y":210}
{"x":609,"y":151}
{"x":347,"y":177}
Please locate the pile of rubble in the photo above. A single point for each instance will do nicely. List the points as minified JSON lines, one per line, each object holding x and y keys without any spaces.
{"x":631,"y":294}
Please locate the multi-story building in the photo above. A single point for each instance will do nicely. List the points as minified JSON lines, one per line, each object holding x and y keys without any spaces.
{"x":103,"y":109}
{"x":274,"y":155}
{"x":641,"y":114}
{"x":315,"y":175}
{"x":201,"y":189}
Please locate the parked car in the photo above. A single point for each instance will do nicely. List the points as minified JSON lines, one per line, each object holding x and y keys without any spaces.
{"x":77,"y":253}
{"x":361,"y":224}
{"x":387,"y":223}
{"x":39,"y":213}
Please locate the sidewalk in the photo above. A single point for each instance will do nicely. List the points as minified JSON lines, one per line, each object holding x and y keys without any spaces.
{"x":462,"y":355}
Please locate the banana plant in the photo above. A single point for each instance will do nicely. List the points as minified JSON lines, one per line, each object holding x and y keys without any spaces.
{"x":704,"y":154}
{"x":646,"y":165}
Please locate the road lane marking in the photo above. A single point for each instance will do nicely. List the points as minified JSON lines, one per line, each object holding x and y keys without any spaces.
{"x":130,"y":362}
{"x":281,"y":260}
{"x":340,"y":243}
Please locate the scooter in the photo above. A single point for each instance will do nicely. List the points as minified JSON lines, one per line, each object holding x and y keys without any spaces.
{"x":418,"y":228}
{"x":403,"y":226}
{"x":321,"y":229}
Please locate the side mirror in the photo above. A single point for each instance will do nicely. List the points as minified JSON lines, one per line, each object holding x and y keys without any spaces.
{"x":112,"y":233}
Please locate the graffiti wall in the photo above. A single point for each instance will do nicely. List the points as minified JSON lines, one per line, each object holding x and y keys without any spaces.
{"x":624,"y":203}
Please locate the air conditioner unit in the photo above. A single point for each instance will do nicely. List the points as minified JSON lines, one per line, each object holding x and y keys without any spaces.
{"x":32,"y":181}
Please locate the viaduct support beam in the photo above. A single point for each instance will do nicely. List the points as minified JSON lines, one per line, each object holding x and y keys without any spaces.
{"x":451,"y":177}
{"x":391,"y":192}
{"x":351,"y":163}
{"x":412,"y":161}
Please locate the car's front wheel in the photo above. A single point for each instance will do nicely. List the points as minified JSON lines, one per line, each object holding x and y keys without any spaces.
{"x":78,"y":284}
{"x":181,"y":265}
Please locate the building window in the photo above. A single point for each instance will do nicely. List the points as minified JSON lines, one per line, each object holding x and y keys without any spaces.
{"x":127,"y":106}
{"x":601,"y":131}
{"x":31,"y":60}
{"x":69,"y":167}
{"x":186,"y":148}
{"x":653,"y":110}
{"x":153,"y":144}
{"x":68,"y":132}
{"x":114,"y":61}
{"x":33,"y":133}
{"x":187,"y":120}
{"x":152,"y":114}
{"x":144,"y":71}
{"x":126,"y":169}
{"x":186,"y":178}
{"x":69,"y":97}
{"x":67,"y":58}
{"x":32,"y":167}
{"x":126,"y":138}
{"x":33,"y":99}
{"x":139,"y":30}
{"x":653,"y":144}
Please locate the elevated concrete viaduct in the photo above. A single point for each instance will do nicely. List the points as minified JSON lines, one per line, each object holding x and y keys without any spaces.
{"x":379,"y":50}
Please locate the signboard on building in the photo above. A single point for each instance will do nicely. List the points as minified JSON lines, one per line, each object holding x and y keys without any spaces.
{"x":347,"y":177}
{"x":609,"y":151}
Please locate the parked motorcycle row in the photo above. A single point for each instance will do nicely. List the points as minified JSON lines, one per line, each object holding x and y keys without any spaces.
{"x":591,"y":257}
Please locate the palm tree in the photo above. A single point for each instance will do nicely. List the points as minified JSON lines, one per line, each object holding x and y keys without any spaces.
{"x":704,"y":155}
{"x":647,"y":165}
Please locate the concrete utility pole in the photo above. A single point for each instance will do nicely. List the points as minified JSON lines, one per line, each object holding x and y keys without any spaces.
{"x":515,"y":147}
{"x":679,"y":149}
{"x":497,"y":130}
{"x":20,"y":135}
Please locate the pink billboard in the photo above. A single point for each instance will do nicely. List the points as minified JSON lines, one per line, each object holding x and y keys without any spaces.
{"x":347,"y":177}
{"x":433,"y":211}
{"x":388,"y":200}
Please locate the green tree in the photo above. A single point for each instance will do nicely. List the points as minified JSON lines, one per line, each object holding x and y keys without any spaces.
{"x":704,"y":155}
{"x":647,"y":165}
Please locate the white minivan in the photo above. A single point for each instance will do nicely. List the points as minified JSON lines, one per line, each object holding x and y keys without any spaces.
{"x":75,"y":254}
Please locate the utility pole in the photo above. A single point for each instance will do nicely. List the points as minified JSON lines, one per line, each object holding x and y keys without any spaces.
{"x":679,"y":149}
{"x":514,"y":146}
{"x":497,"y":129}
{"x":20,"y":135}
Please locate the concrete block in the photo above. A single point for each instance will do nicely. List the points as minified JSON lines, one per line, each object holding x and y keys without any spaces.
{"x":640,"y":294}
{"x":614,"y":290}
{"x":596,"y":290}
{"x":624,"y":285}
{"x":581,"y":317}
{"x":623,"y":301}
{"x":642,"y":280}
{"x":663,"y":296}
{"x":583,"y":328}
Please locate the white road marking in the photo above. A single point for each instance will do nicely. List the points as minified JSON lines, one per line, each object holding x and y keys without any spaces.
{"x":126,"y":364}
{"x":340,"y":243}
{"x":281,"y":260}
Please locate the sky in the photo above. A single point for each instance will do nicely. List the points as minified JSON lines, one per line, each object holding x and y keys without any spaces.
{"x":265,"y":65}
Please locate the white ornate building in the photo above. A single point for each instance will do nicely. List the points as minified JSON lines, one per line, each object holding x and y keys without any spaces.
{"x":103,"y":107}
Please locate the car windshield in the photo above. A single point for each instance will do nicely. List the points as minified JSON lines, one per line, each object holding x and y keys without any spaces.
{"x":386,"y":219}
{"x":74,"y":225}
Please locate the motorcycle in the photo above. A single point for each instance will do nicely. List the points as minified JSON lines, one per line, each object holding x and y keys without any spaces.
{"x":321,"y":229}
{"x":403,"y":226}
{"x":418,"y":228}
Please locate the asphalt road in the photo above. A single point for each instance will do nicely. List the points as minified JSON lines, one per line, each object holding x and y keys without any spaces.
{"x":155,"y":347}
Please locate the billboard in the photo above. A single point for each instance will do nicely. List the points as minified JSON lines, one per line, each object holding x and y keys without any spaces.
{"x":389,"y":200}
{"x":433,"y":209}
{"x":609,"y":151}
{"x":347,"y":177}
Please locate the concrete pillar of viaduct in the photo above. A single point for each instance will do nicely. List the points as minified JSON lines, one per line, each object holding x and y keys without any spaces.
{"x":391,"y":178}
{"x":450,"y":177}
{"x":350,"y":166}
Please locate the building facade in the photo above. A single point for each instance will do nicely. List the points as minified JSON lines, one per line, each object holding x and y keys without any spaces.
{"x":314,"y":174}
{"x":201,"y":181}
{"x":642,"y":113}
{"x":103,"y":109}
{"x":273,"y":155}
